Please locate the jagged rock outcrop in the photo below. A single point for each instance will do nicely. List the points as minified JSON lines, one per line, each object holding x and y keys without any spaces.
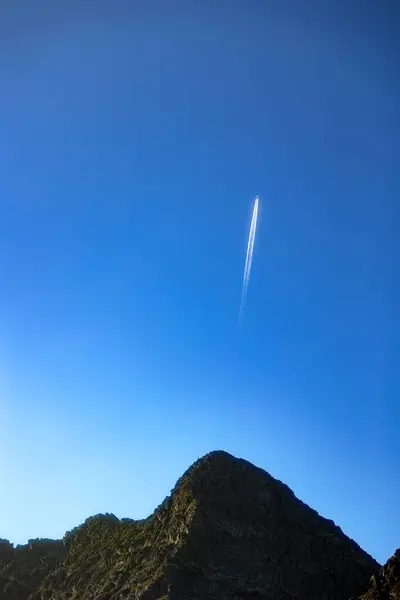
{"x":228,"y":530}
{"x":23,"y":568}
{"x":385,"y":585}
{"x":6,"y":552}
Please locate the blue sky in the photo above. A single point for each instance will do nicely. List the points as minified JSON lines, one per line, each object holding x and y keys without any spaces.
{"x":133,"y":139}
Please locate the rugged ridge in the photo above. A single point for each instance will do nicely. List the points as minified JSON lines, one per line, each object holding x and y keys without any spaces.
{"x":228,"y":530}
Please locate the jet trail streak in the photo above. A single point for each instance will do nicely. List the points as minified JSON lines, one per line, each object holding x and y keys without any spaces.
{"x":249,"y":257}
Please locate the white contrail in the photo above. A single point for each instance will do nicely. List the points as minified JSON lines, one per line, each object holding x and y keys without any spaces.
{"x":249,"y":257}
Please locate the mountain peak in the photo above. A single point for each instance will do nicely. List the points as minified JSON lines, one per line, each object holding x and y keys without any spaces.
{"x":228,"y":529}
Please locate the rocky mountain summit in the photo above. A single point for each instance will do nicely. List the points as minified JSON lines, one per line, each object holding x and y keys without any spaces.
{"x":228,"y":530}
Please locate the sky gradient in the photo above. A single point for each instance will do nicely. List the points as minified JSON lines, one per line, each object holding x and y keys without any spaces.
{"x":134,"y":137}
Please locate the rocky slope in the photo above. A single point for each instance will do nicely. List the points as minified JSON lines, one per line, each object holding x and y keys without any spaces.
{"x":228,"y":530}
{"x":385,"y":585}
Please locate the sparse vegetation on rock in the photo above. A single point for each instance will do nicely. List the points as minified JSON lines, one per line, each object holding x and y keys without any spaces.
{"x":385,"y":585}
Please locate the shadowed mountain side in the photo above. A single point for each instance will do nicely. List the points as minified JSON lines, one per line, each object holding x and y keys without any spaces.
{"x":23,"y":568}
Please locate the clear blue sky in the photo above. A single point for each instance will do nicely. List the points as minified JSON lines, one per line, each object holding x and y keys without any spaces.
{"x":133,"y":139}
